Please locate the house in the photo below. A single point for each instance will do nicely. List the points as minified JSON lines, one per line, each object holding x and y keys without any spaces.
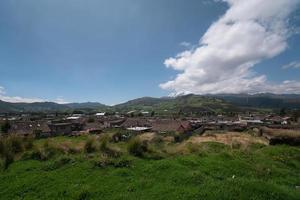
{"x":139,"y":129}
{"x":29,"y":128}
{"x":135,"y":122}
{"x":60,"y":128}
{"x":102,"y":114}
{"x":170,"y":125}
{"x":94,"y":127}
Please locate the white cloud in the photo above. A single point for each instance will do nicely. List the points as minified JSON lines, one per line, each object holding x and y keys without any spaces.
{"x":294,"y":64}
{"x":249,"y":32}
{"x":60,"y":100}
{"x":17,"y":99}
{"x":185,"y":44}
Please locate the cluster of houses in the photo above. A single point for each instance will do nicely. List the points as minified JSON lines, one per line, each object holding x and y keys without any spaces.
{"x":78,"y":124}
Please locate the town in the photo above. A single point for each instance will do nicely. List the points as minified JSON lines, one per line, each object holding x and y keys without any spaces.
{"x":275,"y":128}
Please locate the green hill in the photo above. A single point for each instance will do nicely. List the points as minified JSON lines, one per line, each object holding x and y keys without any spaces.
{"x":189,"y":104}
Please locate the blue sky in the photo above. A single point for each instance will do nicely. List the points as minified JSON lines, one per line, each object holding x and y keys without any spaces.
{"x":110,"y":51}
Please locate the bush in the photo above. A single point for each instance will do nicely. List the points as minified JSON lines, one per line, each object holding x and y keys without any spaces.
{"x":8,"y":159}
{"x":103,"y":144}
{"x":9,"y":146}
{"x":90,"y":145}
{"x":35,"y":154}
{"x":16,"y":143}
{"x":6,"y":152}
{"x":137,"y":148}
{"x":49,"y":150}
{"x":193,"y":148}
{"x":73,"y":150}
{"x":236,"y":145}
{"x":58,"y":163}
{"x":122,"y":136}
{"x":5,"y":127}
{"x":91,"y":120}
{"x":117,"y":163}
{"x":28,"y":142}
{"x":106,"y":150}
{"x":157,"y":140}
{"x":2,"y":146}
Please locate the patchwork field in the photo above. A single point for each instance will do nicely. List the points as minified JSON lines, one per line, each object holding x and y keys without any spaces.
{"x":150,"y":166}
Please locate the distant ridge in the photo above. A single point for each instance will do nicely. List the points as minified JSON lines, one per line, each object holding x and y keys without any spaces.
{"x":263,"y":100}
{"x":218,"y":102}
{"x":46,"y":106}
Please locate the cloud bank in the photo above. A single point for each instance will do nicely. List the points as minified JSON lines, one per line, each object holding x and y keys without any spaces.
{"x":249,"y":32}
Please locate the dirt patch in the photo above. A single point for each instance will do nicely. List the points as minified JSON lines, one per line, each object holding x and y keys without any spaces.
{"x":147,"y":136}
{"x":229,"y":138}
{"x":282,"y":132}
{"x":282,"y":136}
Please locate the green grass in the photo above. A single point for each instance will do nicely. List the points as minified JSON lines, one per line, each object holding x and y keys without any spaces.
{"x":213,"y":172}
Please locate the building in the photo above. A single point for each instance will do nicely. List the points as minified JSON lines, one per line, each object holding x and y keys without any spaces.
{"x":170,"y":125}
{"x":61,"y":128}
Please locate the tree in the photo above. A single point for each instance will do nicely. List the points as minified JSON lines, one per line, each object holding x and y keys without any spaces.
{"x":152,"y":113}
{"x":282,"y":112}
{"x":131,"y":114}
{"x":5,"y":127}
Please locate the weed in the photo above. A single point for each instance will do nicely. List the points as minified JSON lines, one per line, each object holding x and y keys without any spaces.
{"x":90,"y":145}
{"x":137,"y":147}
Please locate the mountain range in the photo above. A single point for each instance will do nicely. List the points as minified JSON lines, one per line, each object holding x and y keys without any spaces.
{"x":185,"y":103}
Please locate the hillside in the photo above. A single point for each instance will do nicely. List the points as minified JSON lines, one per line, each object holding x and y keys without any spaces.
{"x":192,"y":104}
{"x":264,"y":100}
{"x":189,"y":104}
{"x":31,"y":107}
{"x":46,"y":107}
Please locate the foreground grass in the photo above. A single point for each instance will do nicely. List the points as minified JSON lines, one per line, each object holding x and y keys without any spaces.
{"x":213,"y":171}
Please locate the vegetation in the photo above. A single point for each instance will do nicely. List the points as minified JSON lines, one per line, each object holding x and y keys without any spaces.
{"x":137,"y":147}
{"x":90,"y":145}
{"x":11,"y":146}
{"x":4,"y":128}
{"x":63,"y":168}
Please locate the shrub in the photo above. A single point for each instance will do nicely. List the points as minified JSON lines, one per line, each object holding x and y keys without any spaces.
{"x":137,"y":148}
{"x":90,"y":145}
{"x":49,"y":150}
{"x":122,"y":136}
{"x":103,"y":144}
{"x":38,"y":133}
{"x":16,"y":143}
{"x":5,"y":127}
{"x":91,"y":120}
{"x":8,"y":159}
{"x":9,"y":146}
{"x":106,"y":150}
{"x":157,"y":140}
{"x":123,"y":162}
{"x":73,"y":150}
{"x":117,"y":163}
{"x":236,"y":145}
{"x":6,"y":152}
{"x":2,"y":146}
{"x":58,"y":163}
{"x":193,"y":148}
{"x":103,"y":162}
{"x":28,"y":142}
{"x":36,"y":154}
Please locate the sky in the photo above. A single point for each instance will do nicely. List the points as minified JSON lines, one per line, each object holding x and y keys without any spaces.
{"x":111,"y":51}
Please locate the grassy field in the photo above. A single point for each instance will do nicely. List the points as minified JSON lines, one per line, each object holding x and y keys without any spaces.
{"x":203,"y":171}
